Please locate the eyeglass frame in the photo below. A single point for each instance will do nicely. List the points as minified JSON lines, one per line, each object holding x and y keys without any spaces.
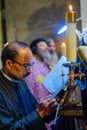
{"x":25,"y":65}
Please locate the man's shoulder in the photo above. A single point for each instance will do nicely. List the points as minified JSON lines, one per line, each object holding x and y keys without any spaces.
{"x":35,"y":60}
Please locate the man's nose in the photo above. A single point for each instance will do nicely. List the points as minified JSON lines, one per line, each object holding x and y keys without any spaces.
{"x":30,"y":70}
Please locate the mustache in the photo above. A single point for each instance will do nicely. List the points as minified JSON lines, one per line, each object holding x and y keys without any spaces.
{"x":25,"y":75}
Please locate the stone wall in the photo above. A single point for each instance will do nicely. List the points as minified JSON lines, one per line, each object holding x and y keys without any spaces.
{"x":29,"y":19}
{"x":83,"y":10}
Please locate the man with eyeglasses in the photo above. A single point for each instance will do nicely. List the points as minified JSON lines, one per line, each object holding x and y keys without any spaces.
{"x":19,"y":109}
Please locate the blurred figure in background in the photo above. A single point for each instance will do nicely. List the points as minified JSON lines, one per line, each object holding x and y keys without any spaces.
{"x":41,"y":68}
{"x":52,"y":49}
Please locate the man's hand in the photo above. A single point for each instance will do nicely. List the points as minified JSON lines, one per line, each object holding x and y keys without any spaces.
{"x":46,"y":106}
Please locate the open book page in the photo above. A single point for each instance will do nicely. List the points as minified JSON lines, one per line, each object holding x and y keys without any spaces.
{"x":54,"y":81}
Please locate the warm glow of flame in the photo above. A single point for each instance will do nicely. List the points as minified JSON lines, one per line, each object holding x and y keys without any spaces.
{"x":63,"y":44}
{"x":70,"y":7}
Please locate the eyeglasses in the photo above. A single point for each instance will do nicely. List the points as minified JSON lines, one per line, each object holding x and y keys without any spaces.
{"x":25,"y":65}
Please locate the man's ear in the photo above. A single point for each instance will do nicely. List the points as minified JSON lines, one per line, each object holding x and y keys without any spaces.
{"x":8,"y":64}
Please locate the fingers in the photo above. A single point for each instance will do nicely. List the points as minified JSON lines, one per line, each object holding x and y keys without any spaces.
{"x":48,"y":102}
{"x":52,"y":105}
{"x":51,"y":92}
{"x":44,"y":98}
{"x":47,"y":106}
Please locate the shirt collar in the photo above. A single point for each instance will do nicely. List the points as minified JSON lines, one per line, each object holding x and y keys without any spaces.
{"x":10,"y":79}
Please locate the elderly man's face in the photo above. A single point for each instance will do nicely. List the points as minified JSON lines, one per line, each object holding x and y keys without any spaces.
{"x":42,"y":50}
{"x":42,"y":46}
{"x":52,"y":47}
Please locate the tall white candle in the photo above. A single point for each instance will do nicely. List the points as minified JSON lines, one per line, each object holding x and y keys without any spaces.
{"x":63,"y":49}
{"x":71,"y":35}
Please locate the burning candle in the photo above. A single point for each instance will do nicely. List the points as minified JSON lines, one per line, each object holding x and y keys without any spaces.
{"x":63,"y":49}
{"x":71,"y":35}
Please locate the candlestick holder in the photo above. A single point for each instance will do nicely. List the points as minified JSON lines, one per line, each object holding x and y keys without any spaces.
{"x":72,"y":83}
{"x":72,"y":75}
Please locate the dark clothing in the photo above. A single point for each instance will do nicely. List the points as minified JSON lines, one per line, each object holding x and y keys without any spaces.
{"x":84,"y":94}
{"x":18,"y":107}
{"x":83,"y":87}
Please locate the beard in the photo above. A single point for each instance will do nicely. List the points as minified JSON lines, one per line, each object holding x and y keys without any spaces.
{"x":54,"y":56}
{"x":44,"y":54}
{"x":49,"y":57}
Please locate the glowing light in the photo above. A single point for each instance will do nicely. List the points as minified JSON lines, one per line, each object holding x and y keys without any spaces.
{"x":63,"y":29}
{"x":63,"y":44}
{"x":70,"y":7}
{"x":63,"y":49}
{"x":6,"y":44}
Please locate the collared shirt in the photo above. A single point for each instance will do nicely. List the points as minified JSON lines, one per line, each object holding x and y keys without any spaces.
{"x":18,"y":107}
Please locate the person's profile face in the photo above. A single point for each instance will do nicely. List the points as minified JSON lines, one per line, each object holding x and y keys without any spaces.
{"x":52,"y":47}
{"x":22,"y":65}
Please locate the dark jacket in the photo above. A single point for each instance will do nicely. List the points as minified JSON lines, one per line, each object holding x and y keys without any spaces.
{"x":18,"y":107}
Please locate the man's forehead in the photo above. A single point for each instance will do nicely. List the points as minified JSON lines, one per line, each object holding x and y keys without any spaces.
{"x":52,"y":44}
{"x":41,"y":44}
{"x":25,"y":52}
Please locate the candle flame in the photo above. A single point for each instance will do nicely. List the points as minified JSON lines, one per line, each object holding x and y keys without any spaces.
{"x":70,"y":7}
{"x":63,"y":44}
